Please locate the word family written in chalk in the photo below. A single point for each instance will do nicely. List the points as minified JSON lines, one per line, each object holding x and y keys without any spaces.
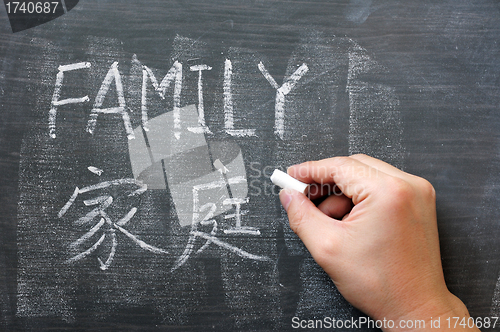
{"x":172,"y":81}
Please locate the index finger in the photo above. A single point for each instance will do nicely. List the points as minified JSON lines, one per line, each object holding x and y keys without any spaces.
{"x":353,"y":177}
{"x":382,"y":166}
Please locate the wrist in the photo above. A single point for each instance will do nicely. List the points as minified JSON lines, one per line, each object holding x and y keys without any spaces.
{"x":446,"y":313}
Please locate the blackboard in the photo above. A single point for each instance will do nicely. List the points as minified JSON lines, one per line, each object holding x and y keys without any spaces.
{"x":138,"y":137}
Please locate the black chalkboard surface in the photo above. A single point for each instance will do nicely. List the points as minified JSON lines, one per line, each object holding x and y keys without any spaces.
{"x":138,"y":137}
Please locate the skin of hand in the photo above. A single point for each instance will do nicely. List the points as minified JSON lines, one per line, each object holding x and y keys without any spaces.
{"x":377,"y":239}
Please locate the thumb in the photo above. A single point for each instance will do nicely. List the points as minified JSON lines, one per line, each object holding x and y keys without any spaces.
{"x":311,"y":225}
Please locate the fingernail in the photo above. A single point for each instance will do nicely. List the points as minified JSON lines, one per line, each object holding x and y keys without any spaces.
{"x":285,"y":198}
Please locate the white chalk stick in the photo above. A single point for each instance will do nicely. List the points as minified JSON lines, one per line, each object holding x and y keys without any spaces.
{"x":285,"y":181}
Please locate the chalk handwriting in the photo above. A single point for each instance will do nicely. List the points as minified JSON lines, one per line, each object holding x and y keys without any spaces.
{"x":113,"y":74}
{"x":208,"y":219}
{"x":57,"y":93}
{"x":102,"y":224}
{"x":202,"y":128}
{"x":281,"y":92}
{"x":95,"y":170}
{"x":173,"y":75}
{"x":102,"y":202}
{"x":228,"y":105}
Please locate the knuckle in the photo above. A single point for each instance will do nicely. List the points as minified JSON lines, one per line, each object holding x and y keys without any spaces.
{"x":414,"y":190}
{"x":360,"y":156}
{"x":325,"y":251}
{"x":342,"y":161}
{"x":427,"y":188}
{"x":339,"y":164}
{"x":401,"y":189}
{"x":307,"y":164}
{"x":302,"y":169}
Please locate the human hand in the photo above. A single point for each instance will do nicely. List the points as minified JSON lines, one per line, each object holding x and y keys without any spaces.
{"x":378,"y":241}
